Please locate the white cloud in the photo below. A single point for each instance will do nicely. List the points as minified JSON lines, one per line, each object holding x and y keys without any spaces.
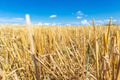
{"x":18,"y":19}
{"x":53,"y":16}
{"x":40,"y":23}
{"x":79,"y":13}
{"x":68,"y":24}
{"x":105,"y":21}
{"x":115,"y":20}
{"x":53,"y":24}
{"x":99,"y":22}
{"x":46,"y":24}
{"x":85,"y":22}
{"x":12,"y":20}
{"x":79,"y":17}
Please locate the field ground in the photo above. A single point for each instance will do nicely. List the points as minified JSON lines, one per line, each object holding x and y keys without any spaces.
{"x":61,"y":53}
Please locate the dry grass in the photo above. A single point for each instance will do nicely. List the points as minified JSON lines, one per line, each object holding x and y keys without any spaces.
{"x":61,"y":53}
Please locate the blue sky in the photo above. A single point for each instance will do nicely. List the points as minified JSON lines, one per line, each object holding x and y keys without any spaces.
{"x":59,"y":11}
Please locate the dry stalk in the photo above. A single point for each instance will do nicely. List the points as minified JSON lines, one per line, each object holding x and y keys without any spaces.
{"x":32,"y":49}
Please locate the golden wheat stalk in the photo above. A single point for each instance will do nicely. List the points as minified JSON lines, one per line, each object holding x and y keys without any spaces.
{"x":110,"y":24}
{"x":96,"y":49}
{"x":93,"y":22}
{"x":32,"y":49}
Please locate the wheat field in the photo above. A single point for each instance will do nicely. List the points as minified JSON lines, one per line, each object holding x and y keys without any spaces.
{"x":60,"y":53}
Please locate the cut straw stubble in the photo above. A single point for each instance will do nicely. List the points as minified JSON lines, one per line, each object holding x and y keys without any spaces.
{"x":32,"y":49}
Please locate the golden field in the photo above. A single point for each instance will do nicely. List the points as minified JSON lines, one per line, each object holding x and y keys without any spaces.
{"x":60,"y":53}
